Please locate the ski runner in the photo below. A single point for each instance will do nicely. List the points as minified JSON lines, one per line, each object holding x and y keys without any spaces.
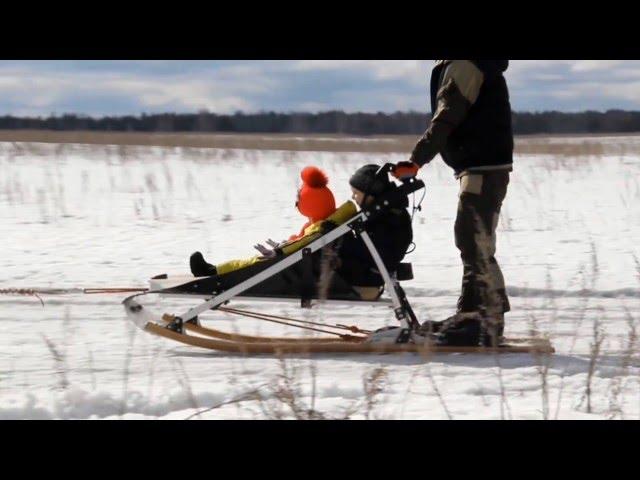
{"x":471,"y":129}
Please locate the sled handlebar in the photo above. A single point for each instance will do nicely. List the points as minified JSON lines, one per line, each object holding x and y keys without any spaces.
{"x":388,"y":168}
{"x":385,"y":169}
{"x":394,"y":196}
{"x":409,"y":184}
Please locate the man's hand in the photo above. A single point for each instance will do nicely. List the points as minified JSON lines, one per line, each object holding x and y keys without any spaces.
{"x":404,"y":170}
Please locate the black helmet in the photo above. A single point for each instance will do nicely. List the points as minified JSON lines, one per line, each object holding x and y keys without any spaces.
{"x":365,"y":180}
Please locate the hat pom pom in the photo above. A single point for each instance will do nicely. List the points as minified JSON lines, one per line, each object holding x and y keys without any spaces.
{"x":314,"y":177}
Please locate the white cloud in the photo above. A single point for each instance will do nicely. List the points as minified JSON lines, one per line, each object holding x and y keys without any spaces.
{"x":408,"y":70}
{"x":311,"y":106}
{"x":594,"y":65}
{"x":575,"y":84}
{"x":226,"y":86}
{"x":625,"y":96}
{"x":187,"y":93}
{"x":227,"y":90}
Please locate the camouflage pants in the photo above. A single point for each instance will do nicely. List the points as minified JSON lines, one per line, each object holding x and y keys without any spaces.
{"x":480,"y":199}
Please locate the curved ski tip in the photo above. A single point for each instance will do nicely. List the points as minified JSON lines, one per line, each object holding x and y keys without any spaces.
{"x":136,"y":313}
{"x":133,"y":307}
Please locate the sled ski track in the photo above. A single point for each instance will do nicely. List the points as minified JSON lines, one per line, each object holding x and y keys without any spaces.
{"x":276,"y":346}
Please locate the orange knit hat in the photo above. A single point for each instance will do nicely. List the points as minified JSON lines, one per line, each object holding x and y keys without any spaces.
{"x":315,"y":200}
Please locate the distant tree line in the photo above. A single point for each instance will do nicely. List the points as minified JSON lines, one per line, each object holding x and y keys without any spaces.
{"x":611,"y":121}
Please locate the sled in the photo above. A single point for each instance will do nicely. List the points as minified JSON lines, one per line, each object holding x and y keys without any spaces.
{"x":292,"y":278}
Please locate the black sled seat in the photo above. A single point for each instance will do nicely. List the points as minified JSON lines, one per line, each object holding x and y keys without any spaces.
{"x":308,"y":280}
{"x":304,"y":280}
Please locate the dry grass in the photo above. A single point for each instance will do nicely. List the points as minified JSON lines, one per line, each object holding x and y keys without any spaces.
{"x":618,"y":383}
{"x":286,"y":397}
{"x":582,"y":314}
{"x":575,"y":146}
{"x":60,"y":362}
{"x":436,"y":390}
{"x":594,"y":356}
{"x":287,"y":142}
{"x":548,"y":145}
{"x":250,"y":395}
{"x":126,"y":370}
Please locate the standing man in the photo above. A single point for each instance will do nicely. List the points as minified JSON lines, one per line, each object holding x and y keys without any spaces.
{"x":471,"y":129}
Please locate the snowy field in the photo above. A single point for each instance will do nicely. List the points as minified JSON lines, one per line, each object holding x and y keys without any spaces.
{"x":112,"y":216}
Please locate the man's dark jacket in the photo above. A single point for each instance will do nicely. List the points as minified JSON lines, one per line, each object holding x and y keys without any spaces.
{"x":470,"y":136}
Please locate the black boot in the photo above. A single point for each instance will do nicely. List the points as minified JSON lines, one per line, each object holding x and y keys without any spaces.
{"x":200,"y":268}
{"x":461,"y":330}
{"x":430,"y":327}
{"x":492,"y":330}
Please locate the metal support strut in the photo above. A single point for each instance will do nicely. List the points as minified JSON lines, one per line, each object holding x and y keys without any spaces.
{"x":401,"y":308}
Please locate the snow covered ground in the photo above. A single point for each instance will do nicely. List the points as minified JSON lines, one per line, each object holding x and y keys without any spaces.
{"x":93,"y":216}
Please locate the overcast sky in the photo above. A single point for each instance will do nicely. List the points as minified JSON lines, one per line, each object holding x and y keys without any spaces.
{"x":132,"y":87}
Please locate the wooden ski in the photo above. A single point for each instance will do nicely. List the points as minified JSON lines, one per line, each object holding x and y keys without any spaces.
{"x":276,"y":346}
{"x":237,"y":337}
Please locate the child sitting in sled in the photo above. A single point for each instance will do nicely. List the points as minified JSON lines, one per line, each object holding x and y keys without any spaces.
{"x":353,"y":268}
{"x":391,"y":233}
{"x":315,"y":201}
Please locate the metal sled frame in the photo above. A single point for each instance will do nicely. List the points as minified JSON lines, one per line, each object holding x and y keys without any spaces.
{"x":250,"y":299}
{"x":402,"y":309}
